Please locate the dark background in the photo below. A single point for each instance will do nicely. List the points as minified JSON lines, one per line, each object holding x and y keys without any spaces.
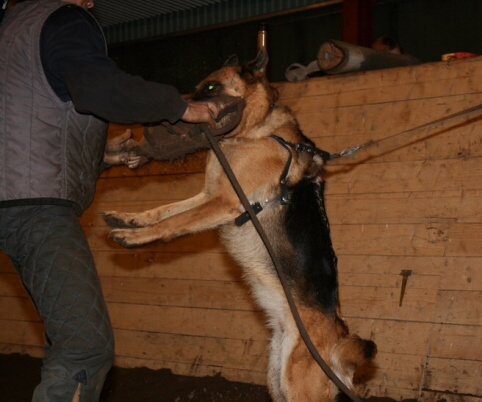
{"x":426,"y":29}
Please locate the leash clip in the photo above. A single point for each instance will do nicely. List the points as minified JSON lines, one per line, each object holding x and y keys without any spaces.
{"x":349,"y":151}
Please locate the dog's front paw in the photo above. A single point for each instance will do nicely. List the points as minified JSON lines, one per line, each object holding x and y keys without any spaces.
{"x":126,"y":237}
{"x":120,"y":220}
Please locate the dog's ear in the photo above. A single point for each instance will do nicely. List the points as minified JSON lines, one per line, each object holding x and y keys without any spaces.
{"x":231,"y":61}
{"x":257,"y":66}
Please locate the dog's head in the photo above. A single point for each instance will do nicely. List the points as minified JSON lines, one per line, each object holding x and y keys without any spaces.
{"x":233,"y":82}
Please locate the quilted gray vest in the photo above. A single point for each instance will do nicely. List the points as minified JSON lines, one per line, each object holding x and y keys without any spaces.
{"x":49,"y":153}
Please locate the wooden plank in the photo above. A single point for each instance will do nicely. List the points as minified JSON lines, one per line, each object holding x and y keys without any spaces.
{"x":20,"y":333}
{"x":414,"y":111}
{"x":158,"y":291}
{"x":451,"y":273}
{"x":387,"y":280}
{"x":406,"y":207}
{"x":180,"y":293}
{"x":140,"y":263}
{"x":464,"y":276}
{"x":459,"y":307}
{"x":18,"y":309}
{"x":320,"y":118}
{"x":428,"y":175}
{"x":189,"y":321}
{"x":434,"y":80}
{"x":440,"y":239}
{"x":462,"y":377}
{"x":6,"y":265}
{"x":456,"y":341}
{"x":11,"y":285}
{"x":229,"y":353}
{"x":383,"y":303}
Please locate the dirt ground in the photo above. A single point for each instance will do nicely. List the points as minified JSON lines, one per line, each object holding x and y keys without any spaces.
{"x":19,"y":374}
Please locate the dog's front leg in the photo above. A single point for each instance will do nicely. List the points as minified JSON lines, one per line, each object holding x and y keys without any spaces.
{"x":146,"y":218}
{"x":209,"y":215}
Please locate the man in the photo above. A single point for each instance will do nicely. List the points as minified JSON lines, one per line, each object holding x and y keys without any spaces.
{"x":387,"y":44}
{"x":57,"y":90}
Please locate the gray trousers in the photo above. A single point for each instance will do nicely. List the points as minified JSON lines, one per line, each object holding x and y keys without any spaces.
{"x":50,"y":252}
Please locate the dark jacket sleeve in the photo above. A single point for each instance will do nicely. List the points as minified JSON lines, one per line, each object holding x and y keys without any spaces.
{"x":77,"y":67}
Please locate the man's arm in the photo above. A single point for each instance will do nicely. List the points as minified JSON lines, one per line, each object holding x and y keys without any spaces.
{"x":78,"y":69}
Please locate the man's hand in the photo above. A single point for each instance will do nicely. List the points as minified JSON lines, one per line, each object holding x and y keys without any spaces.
{"x":201,"y":112}
{"x":117,"y":151}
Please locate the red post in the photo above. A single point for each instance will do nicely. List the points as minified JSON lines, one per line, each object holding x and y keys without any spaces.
{"x":357,"y":22}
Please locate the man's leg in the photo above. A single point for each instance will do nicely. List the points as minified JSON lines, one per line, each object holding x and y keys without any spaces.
{"x":56,"y":266}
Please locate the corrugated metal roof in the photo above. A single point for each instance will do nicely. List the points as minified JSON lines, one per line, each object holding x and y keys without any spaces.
{"x":113,"y":12}
{"x":127,"y":20}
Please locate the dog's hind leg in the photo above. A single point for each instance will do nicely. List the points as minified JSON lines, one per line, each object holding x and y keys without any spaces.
{"x":274,"y":366}
{"x":209,"y":215}
{"x":146,"y":218}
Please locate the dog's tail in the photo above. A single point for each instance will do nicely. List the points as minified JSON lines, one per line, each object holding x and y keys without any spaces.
{"x":349,"y":354}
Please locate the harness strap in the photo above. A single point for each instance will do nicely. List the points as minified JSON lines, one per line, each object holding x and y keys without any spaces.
{"x":285,"y":191}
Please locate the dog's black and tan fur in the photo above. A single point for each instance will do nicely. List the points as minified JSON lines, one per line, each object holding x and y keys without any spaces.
{"x":298,"y":230}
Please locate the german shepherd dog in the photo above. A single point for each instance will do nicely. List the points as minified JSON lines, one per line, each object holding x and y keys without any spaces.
{"x":280,"y":169}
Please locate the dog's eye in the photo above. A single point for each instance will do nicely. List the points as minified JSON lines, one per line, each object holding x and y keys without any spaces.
{"x":211,"y":87}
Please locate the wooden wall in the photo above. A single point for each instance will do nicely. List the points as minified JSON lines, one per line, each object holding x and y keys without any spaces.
{"x":410,"y":203}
